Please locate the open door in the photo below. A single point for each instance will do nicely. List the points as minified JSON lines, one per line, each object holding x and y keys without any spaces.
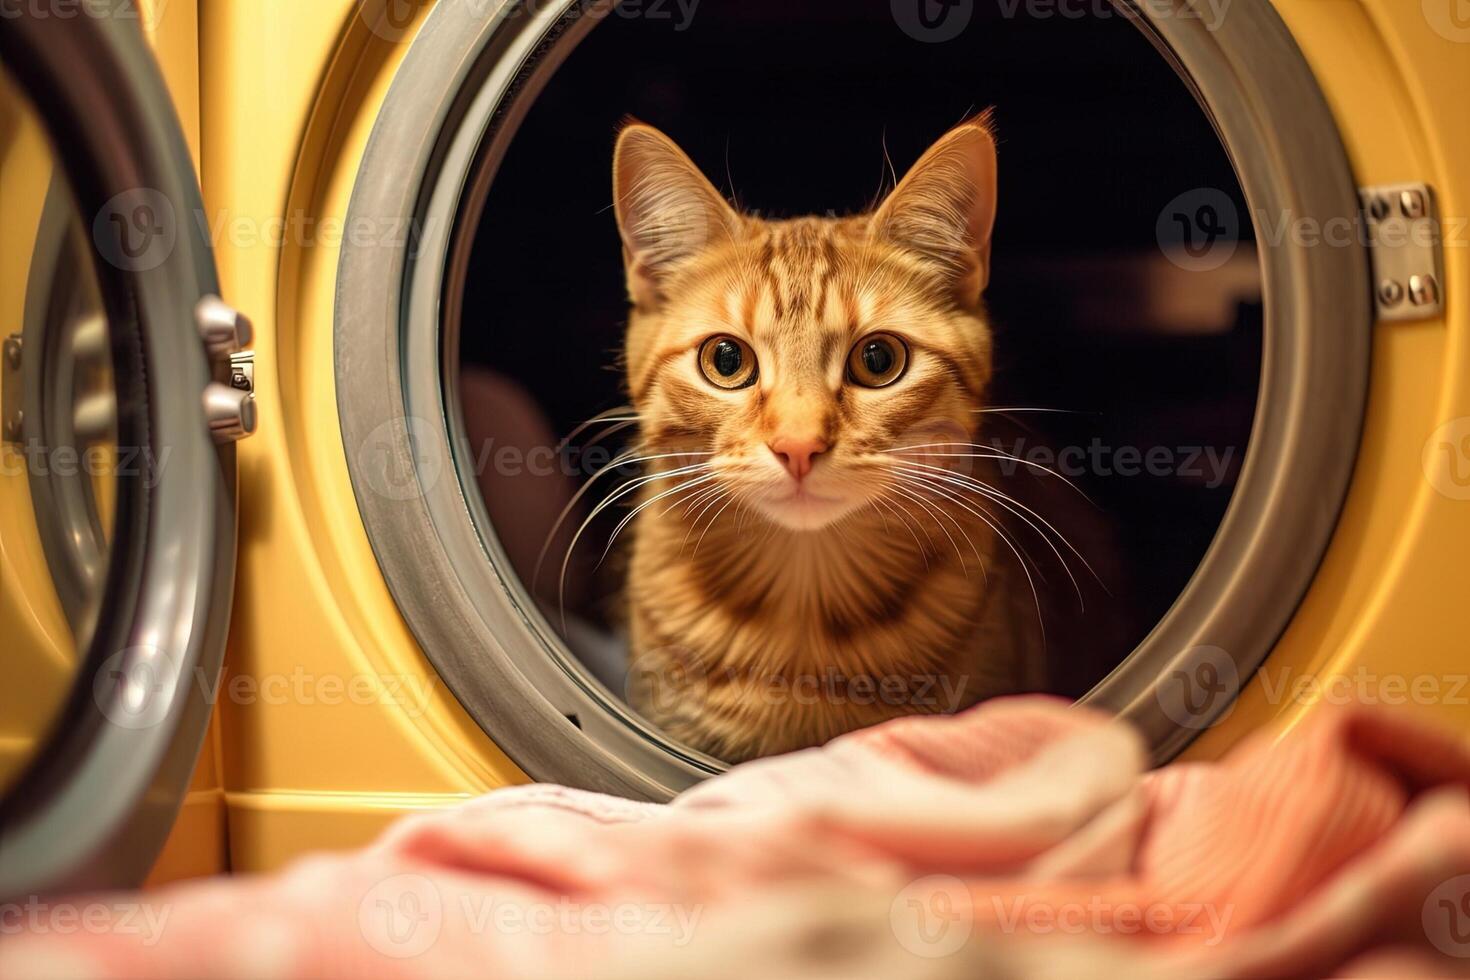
{"x":121,"y":394}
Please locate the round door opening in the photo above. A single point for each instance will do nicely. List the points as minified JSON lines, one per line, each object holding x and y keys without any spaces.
{"x":1124,"y":365}
{"x":1125,"y":441}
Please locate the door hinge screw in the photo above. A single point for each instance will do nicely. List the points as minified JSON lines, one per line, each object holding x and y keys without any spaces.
{"x":1423,"y":290}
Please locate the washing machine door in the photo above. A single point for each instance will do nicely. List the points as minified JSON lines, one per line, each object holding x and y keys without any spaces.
{"x":122,"y":393}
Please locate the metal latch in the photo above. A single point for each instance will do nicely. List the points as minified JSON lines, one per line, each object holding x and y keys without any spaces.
{"x":1402,"y":222}
{"x":12,"y":415}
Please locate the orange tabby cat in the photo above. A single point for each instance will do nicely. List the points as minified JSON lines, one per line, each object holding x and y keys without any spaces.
{"x":812,"y":554}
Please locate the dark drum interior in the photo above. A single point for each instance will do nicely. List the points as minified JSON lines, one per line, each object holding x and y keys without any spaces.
{"x":1147,"y":367}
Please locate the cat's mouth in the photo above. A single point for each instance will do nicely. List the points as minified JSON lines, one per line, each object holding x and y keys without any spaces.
{"x":804,"y":495}
{"x":799,"y":508}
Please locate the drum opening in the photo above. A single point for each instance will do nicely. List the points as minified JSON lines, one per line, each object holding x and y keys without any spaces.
{"x":1125,"y":294}
{"x":1138,"y":152}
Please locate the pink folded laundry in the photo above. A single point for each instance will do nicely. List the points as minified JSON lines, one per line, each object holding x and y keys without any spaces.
{"x":1022,"y":838}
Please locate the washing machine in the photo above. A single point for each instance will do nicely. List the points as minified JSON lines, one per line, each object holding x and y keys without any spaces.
{"x":257,"y":600}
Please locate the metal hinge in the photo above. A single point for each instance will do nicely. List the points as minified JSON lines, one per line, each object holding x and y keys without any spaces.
{"x":229,"y":404}
{"x":1402,"y":222}
{"x":12,"y":394}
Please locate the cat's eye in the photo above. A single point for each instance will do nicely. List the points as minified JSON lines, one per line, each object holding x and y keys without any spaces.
{"x":728,"y":362}
{"x":878,"y":360}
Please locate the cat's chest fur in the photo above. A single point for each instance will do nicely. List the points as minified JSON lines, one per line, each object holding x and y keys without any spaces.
{"x":748,"y":640}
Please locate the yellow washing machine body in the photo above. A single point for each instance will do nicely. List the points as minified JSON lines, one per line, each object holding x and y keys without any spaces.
{"x":290,"y":99}
{"x":331,"y":720}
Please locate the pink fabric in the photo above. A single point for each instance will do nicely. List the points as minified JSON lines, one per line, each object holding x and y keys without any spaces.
{"x":1022,"y":836}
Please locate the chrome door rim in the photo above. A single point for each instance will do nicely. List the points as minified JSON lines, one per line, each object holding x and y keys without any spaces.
{"x":93,"y":808}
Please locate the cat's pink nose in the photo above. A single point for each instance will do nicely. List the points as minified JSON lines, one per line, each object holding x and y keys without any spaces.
{"x":797,"y":453}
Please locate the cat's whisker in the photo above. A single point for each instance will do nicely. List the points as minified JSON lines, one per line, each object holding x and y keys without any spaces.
{"x":963,"y":533}
{"x":985,"y":514}
{"x":1001,"y":499}
{"x":571,"y":505}
{"x":938,"y":519}
{"x":627,"y":488}
{"x":991,"y":452}
{"x":740,"y":512}
{"x":608,"y":432}
{"x":689,"y":484}
{"x":873,"y":503}
{"x":1025,"y":569}
{"x":879,"y":499}
{"x":733,"y":497}
{"x":704,"y":509}
{"x":1012,"y":504}
{"x":628,"y":458}
{"x":1013,"y":457}
{"x":1002,"y":409}
{"x":985,"y":492}
{"x":916,"y":523}
{"x":957,"y":525}
{"x":1008,"y":412}
{"x":637,"y":483}
{"x":690,"y":503}
{"x":919,"y":485}
{"x":623,"y":413}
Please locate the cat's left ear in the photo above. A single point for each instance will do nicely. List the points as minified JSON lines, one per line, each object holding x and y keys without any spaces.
{"x":667,"y":211}
{"x":944,"y":210}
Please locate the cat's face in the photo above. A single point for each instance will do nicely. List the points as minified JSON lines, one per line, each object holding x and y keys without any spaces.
{"x":807,"y":358}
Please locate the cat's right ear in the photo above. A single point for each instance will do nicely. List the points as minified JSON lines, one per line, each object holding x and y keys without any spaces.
{"x":944,"y":210}
{"x":667,"y":210}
